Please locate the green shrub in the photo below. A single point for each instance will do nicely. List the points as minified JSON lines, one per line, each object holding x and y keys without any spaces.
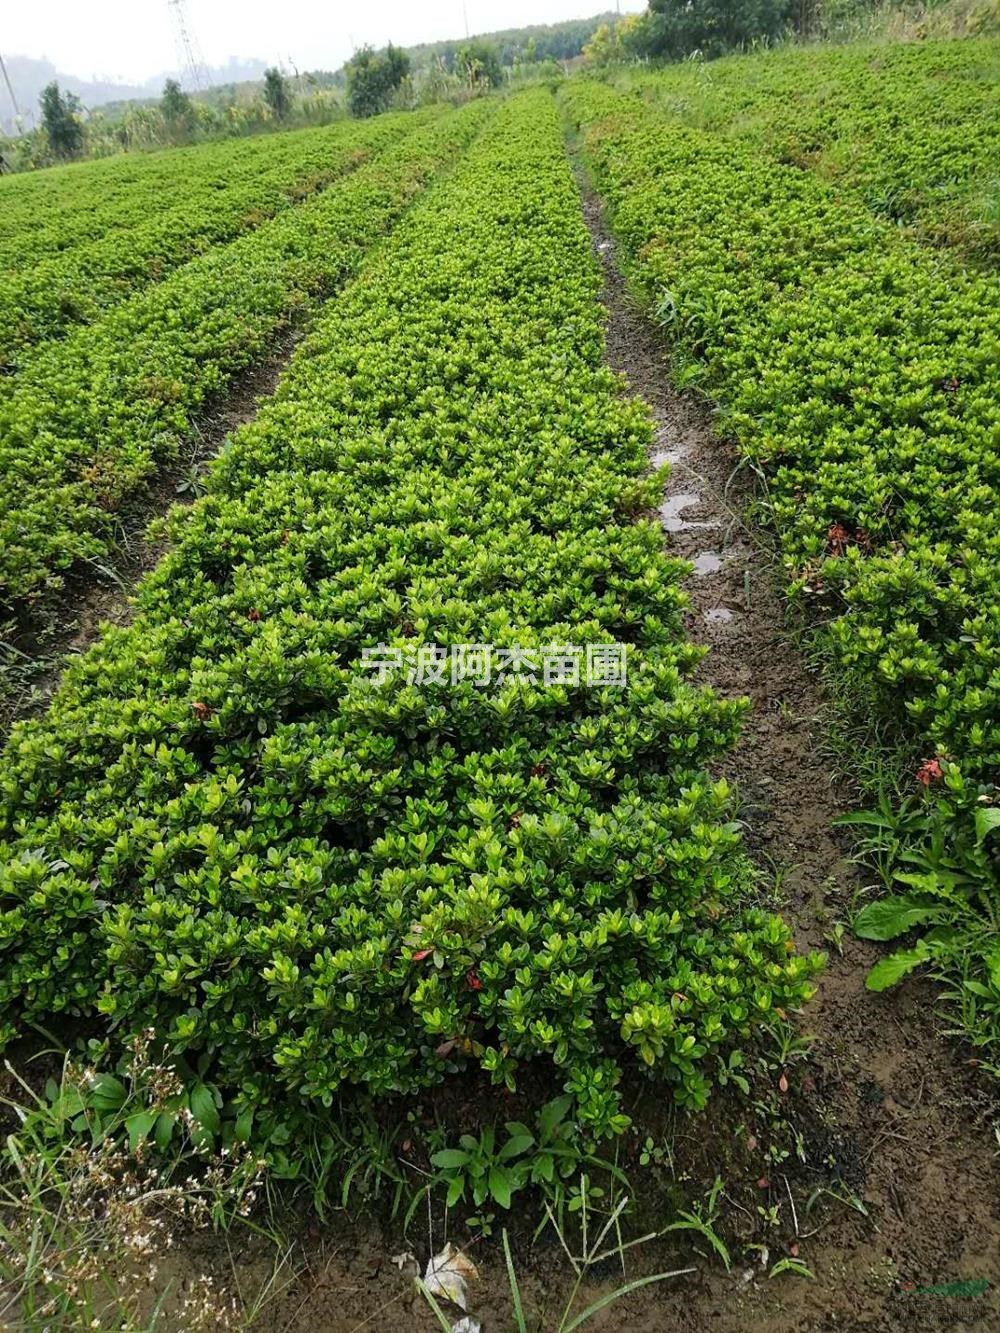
{"x":226,"y":829}
{"x":90,"y":418}
{"x":86,"y":244}
{"x":910,"y":128}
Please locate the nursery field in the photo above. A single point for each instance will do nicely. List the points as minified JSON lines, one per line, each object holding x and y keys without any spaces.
{"x":78,"y":240}
{"x":430,"y":836}
{"x":913,"y":130}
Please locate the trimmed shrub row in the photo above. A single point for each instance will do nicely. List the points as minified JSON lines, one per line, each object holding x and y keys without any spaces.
{"x":93,"y":416}
{"x":161,"y":225}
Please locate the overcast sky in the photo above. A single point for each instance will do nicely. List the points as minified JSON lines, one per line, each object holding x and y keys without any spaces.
{"x":130,"y":40}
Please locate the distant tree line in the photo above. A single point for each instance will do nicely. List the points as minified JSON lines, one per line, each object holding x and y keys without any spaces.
{"x":67,"y":131}
{"x":513,"y":46}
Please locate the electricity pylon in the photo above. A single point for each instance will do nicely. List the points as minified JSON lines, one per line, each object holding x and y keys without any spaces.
{"x":187,"y":44}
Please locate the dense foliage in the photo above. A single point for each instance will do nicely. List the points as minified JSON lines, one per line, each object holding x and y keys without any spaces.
{"x":913,"y":129}
{"x":861,"y":372}
{"x":49,"y":213}
{"x":373,"y":77}
{"x":276,"y":93}
{"x":179,"y":113}
{"x":513,"y":46}
{"x":89,"y":418}
{"x":61,"y":121}
{"x":111,"y":235}
{"x":674,"y":29}
{"x":308,"y":879}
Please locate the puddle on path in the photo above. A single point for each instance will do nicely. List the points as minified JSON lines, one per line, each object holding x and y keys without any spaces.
{"x":669,"y":456}
{"x":707,"y":562}
{"x":718,"y":615}
{"x":674,"y":506}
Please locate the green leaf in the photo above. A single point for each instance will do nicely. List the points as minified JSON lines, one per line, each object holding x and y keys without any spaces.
{"x":164,"y":1130}
{"x":515,"y":1293}
{"x":500,"y":1186}
{"x":456,"y":1190}
{"x":543,"y":1167}
{"x":894,"y":968}
{"x":889,"y":917}
{"x":619,"y":1292}
{"x":967,"y":1290}
{"x":514,"y":1147}
{"x":450,"y":1158}
{"x":515,"y":1127}
{"x":987,"y":819}
{"x":204,"y":1110}
{"x":139,"y":1126}
{"x":863,"y":819}
{"x":553,"y":1114}
{"x":108,"y":1093}
{"x":937,"y":882}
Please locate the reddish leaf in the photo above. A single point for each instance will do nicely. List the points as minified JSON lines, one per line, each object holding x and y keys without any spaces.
{"x":837,"y":538}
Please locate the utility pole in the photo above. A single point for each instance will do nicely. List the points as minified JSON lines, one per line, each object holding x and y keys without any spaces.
{"x":10,"y":90}
{"x":187,"y":45}
{"x":298,"y":76}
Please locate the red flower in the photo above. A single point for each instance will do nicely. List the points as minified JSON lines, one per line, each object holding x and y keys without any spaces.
{"x":472,"y":979}
{"x":930,"y":771}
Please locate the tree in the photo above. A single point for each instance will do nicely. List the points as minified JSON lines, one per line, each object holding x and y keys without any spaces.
{"x":602,"y":49}
{"x":674,"y":29}
{"x":60,"y":118}
{"x":479,"y":64}
{"x":373,"y":77}
{"x":178,"y":111}
{"x":276,"y":93}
